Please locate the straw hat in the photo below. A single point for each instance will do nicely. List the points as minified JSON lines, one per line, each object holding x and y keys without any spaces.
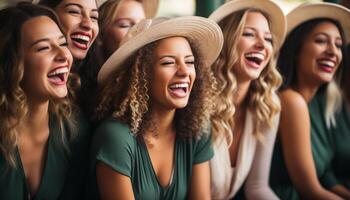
{"x":309,"y":11}
{"x":271,"y":9}
{"x":204,"y":33}
{"x":150,"y":6}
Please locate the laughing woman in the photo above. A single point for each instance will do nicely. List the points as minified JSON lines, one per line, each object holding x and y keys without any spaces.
{"x":39,"y":144}
{"x":247,"y":108}
{"x":156,"y":102}
{"x":309,"y":59}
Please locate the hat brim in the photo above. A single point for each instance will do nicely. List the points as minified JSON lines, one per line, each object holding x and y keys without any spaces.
{"x":204,"y":33}
{"x":271,"y":9}
{"x":309,"y":11}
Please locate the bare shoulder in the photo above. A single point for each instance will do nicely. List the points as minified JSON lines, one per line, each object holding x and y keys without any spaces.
{"x":293,"y":102}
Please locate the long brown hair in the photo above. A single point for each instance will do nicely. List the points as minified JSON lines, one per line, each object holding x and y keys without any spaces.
{"x":13,"y":100}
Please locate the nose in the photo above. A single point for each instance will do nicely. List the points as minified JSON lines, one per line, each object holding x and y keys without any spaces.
{"x":331,"y":49}
{"x":86,"y":22}
{"x":182,"y":69}
{"x":62,"y":54}
{"x":260,"y":42}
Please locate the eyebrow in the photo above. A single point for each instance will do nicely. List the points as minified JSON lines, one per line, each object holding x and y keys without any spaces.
{"x":266,"y":32}
{"x":327,"y":35}
{"x":171,"y":56}
{"x":45,"y":40}
{"x":80,"y":6}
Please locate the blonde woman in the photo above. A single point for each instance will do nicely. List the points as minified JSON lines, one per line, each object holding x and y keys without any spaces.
{"x":245,"y":121}
{"x":156,"y":97}
{"x":311,"y":56}
{"x":42,"y":156}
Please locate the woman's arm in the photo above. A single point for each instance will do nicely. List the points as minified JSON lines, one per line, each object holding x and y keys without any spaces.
{"x":341,"y":191}
{"x":113,"y":185}
{"x":200,"y":182}
{"x":295,"y":137}
{"x":257,"y":184}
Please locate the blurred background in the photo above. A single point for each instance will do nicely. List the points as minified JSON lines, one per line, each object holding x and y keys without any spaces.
{"x":203,"y":7}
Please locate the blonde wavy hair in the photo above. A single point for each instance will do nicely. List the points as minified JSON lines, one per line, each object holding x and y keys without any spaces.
{"x":260,"y":100}
{"x":126,"y":96}
{"x":13,"y":99}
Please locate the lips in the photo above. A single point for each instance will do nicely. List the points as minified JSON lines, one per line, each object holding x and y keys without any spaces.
{"x":81,"y":40}
{"x":326,"y":65}
{"x":179,"y":89}
{"x":59,"y":75}
{"x":254,"y":59}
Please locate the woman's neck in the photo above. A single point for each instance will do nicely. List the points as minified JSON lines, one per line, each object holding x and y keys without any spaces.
{"x":164,"y":121}
{"x":36,"y":120}
{"x":241,"y":94}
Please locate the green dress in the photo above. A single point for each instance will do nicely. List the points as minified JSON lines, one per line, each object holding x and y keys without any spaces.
{"x":340,"y":171}
{"x":64,"y":172}
{"x":115,"y":146}
{"x":322,"y":151}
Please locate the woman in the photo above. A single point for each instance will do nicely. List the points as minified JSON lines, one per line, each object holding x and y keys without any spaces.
{"x":79,"y":19}
{"x":310,"y":57}
{"x":155,"y":106}
{"x":40,"y":148}
{"x":246,"y":116}
{"x":117,"y":17}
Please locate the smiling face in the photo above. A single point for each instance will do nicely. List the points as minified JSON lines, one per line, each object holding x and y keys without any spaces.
{"x":46,"y":59}
{"x":320,"y":54}
{"x":79,"y":19}
{"x":127,"y":14}
{"x":254,"y":47}
{"x":173,"y":73}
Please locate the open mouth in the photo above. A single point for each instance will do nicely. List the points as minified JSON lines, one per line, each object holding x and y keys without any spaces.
{"x":179,"y":89}
{"x":255,"y":58}
{"x":326,"y":65}
{"x":58,"y":76}
{"x":80,"y":40}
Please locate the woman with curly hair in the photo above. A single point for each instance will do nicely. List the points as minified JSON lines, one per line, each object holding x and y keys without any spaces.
{"x":310,"y":58}
{"x":156,"y":98}
{"x":39,"y":142}
{"x":246,"y":116}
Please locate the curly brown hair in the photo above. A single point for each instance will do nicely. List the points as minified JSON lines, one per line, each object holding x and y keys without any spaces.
{"x":13,"y":100}
{"x":125,"y":96}
{"x":261,"y":102}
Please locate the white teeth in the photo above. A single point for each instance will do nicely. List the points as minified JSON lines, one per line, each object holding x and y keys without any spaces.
{"x":59,"y":71}
{"x":327,"y":63}
{"x":180,"y":85}
{"x":81,"y":37}
{"x":255,"y":55}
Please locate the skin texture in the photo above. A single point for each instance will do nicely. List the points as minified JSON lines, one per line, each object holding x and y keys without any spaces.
{"x":294,"y":130}
{"x":173,"y":63}
{"x":78,"y":17}
{"x":44,"y":48}
{"x":127,"y":14}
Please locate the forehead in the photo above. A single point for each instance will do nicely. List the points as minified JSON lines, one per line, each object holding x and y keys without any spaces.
{"x":172,"y":45}
{"x":38,"y":28}
{"x":326,"y":27}
{"x":86,"y":4}
{"x":256,"y":19}
{"x":129,"y":8}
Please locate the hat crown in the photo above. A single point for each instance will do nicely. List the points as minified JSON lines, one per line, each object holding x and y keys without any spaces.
{"x":141,"y":27}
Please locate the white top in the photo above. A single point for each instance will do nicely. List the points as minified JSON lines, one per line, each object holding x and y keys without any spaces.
{"x":253,"y":165}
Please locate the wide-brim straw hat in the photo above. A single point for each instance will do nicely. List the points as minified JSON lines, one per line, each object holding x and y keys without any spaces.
{"x":150,"y":6}
{"x":274,"y":13}
{"x":309,"y":11}
{"x":205,"y":34}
